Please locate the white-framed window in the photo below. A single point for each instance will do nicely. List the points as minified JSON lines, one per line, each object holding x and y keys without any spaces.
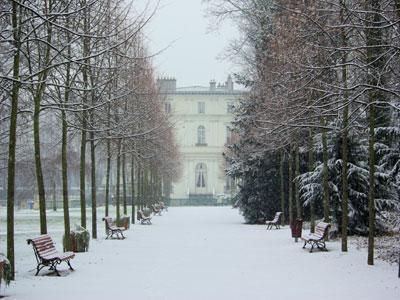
{"x":167,"y":107}
{"x":201,"y":107}
{"x":230,"y":107}
{"x":201,"y":175}
{"x":201,"y":135}
{"x":228,"y":135}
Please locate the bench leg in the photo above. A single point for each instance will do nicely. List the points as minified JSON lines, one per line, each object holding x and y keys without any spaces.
{"x":54,"y":267}
{"x":305,"y":243}
{"x":322,"y":246}
{"x":69,"y":265}
{"x":38,"y":268}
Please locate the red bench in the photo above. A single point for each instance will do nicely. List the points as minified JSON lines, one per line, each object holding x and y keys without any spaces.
{"x":47,"y":255}
{"x":156,"y":210}
{"x":317,"y":239}
{"x":112,"y":229}
{"x":142,"y":218}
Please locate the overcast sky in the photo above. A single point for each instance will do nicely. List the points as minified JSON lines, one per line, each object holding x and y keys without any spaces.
{"x":191,"y":56}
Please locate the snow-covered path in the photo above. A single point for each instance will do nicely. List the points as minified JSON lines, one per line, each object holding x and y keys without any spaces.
{"x":207,"y":253}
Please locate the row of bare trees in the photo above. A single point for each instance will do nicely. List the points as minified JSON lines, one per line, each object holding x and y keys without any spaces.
{"x":323,"y":108}
{"x":79,"y":69}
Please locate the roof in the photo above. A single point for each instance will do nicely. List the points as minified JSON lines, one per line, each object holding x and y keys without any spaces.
{"x":204,"y":90}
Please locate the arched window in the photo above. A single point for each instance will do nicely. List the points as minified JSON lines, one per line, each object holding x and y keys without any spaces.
{"x":201,"y":135}
{"x":201,"y":175}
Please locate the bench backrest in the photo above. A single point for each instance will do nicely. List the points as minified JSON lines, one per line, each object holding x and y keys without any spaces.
{"x":321,"y":229}
{"x":277,"y":216}
{"x":109,"y":222}
{"x":141,"y":215}
{"x":42,"y":245}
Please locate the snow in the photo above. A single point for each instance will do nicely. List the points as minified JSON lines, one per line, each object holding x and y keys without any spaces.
{"x":205,"y":253}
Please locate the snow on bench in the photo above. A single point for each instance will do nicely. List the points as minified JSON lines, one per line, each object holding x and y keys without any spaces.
{"x":317,"y":239}
{"x":112,"y":229}
{"x":142,"y":218}
{"x":275,"y":221}
{"x":47,"y":255}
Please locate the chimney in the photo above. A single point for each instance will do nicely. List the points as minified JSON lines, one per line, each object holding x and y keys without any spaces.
{"x":213,"y":85}
{"x":166,"y":85}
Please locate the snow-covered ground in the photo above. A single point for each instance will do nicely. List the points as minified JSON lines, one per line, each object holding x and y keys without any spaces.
{"x":200,"y":253}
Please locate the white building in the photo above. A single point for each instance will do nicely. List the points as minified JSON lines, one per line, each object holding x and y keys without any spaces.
{"x":201,"y":116}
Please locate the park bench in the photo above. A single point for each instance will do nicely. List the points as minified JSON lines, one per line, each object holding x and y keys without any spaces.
{"x":47,"y":255}
{"x":317,"y":239}
{"x":142,"y":218}
{"x":275,"y":222}
{"x":156,"y":210}
{"x":163,"y":206}
{"x":112,"y":229}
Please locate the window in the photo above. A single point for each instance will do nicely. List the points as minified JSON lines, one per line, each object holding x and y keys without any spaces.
{"x":230,"y":108}
{"x":201,"y":135}
{"x":201,"y":175}
{"x":167,"y":107}
{"x":228,"y":135}
{"x":201,"y":107}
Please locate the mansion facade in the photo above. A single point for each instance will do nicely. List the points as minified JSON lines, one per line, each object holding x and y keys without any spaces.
{"x":202,"y":118}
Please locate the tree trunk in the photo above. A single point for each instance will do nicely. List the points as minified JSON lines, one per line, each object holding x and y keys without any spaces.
{"x":16,"y":24}
{"x":64,"y":168}
{"x":37,"y":99}
{"x":310,"y":169}
{"x":108,"y":170}
{"x":117,"y":204}
{"x":345,"y":183}
{"x":296,"y":183}
{"x":374,"y":60}
{"x":133,"y":189}
{"x":371,"y":193}
{"x":38,"y":163}
{"x":54,"y":186}
{"x":290,"y":179}
{"x":85,"y":78}
{"x":82,"y":172}
{"x":139,"y":186}
{"x":281,"y":167}
{"x":93,"y":180}
{"x":325,"y":183}
{"x":125,"y":204}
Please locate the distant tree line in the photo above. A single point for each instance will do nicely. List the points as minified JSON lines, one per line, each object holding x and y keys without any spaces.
{"x":318,"y":135}
{"x":77,"y":90}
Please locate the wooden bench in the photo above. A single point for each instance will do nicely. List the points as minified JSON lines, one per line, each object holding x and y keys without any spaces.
{"x":163,"y":206}
{"x":112,"y":229}
{"x":275,"y":222}
{"x":156,"y":210}
{"x":317,"y":239}
{"x":47,"y":255}
{"x":142,"y":218}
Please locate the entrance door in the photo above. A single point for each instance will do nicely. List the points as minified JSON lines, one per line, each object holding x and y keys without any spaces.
{"x":201,"y":178}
